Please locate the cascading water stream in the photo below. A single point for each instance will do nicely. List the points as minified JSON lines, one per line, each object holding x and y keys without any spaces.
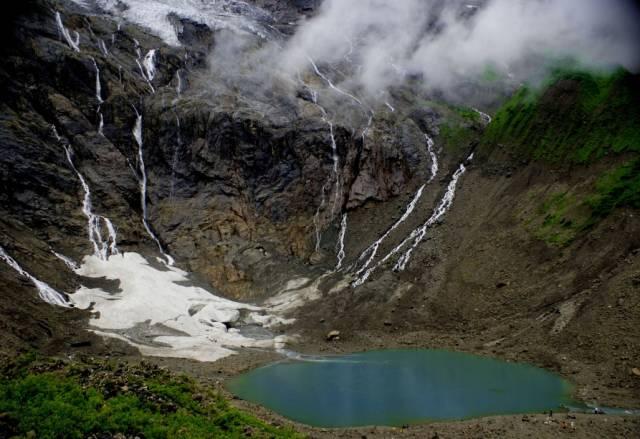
{"x":137,"y":134}
{"x":98,"y":97}
{"x":334,"y":150}
{"x":67,"y":261}
{"x":149,"y":65}
{"x":441,"y":210}
{"x":418,"y":234}
{"x":103,"y":48}
{"x":340,"y":246}
{"x":369,"y":254}
{"x":333,"y":86}
{"x":178,"y":83}
{"x":45,"y":292}
{"x":101,"y":248}
{"x":73,"y":43}
{"x":485,"y":117}
{"x":98,"y":85}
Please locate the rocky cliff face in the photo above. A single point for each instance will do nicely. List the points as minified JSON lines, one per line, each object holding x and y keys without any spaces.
{"x":263,"y":188}
{"x":238,"y":185}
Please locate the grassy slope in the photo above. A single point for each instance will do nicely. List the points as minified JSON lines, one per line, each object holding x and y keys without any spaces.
{"x":57,"y":400}
{"x":576,"y":119}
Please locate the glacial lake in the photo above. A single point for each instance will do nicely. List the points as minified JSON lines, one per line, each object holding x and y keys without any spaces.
{"x":397,"y":387}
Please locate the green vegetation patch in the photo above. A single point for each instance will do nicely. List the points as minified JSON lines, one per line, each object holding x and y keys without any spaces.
{"x":57,"y":400}
{"x":617,"y":188}
{"x":564,"y":215}
{"x":562,"y":219}
{"x":578,"y":117}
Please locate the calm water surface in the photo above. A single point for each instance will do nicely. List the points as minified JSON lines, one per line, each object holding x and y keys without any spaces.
{"x":396,"y":387}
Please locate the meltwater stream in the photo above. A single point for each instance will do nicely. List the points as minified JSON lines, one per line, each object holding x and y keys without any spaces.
{"x":137,"y":134}
{"x":46,"y":293}
{"x":367,"y":257}
{"x":398,"y":387}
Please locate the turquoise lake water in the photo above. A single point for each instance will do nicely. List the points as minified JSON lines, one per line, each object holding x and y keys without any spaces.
{"x":397,"y":387}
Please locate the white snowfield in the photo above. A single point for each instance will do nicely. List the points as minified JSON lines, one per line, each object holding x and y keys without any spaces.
{"x":180,"y":320}
{"x":235,"y":15}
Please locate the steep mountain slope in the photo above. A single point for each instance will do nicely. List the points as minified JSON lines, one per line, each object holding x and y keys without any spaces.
{"x":538,"y":257}
{"x":235,"y":186}
{"x":406,"y":222}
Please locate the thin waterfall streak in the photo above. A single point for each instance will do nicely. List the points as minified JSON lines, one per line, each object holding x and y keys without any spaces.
{"x":113,"y":245}
{"x":334,"y":151}
{"x":149,"y":64}
{"x":341,"y":246}
{"x":137,"y":134}
{"x":98,"y":85}
{"x":333,"y":86}
{"x":100,"y":123}
{"x":369,"y":254}
{"x":442,"y":209}
{"x":153,"y":90}
{"x":372,"y":250}
{"x":93,"y":228}
{"x":73,"y":43}
{"x":179,"y":83}
{"x":46,"y":293}
{"x":67,"y":261}
{"x":417,"y":235}
{"x":485,"y":117}
{"x":103,"y":48}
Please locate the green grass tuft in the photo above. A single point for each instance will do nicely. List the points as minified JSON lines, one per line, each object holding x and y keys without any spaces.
{"x":78,"y":401}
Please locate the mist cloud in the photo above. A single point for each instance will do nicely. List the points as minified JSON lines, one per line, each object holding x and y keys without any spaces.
{"x":447,"y":40}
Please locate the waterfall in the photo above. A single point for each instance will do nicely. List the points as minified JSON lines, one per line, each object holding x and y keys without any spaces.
{"x":98,"y":97}
{"x":441,"y":210}
{"x":67,"y":261}
{"x":485,"y":117}
{"x":111,"y":230}
{"x":100,"y":124}
{"x":100,"y":248}
{"x":137,"y":134}
{"x":179,"y":83}
{"x":334,"y":151}
{"x":45,"y":292}
{"x":340,"y":246}
{"x":418,"y":234}
{"x":103,"y":48}
{"x":332,"y":85}
{"x":73,"y":43}
{"x":98,"y":86}
{"x":149,"y":64}
{"x":369,"y":254}
{"x":390,"y":107}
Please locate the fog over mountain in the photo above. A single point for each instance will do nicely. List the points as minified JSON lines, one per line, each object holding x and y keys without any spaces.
{"x":448,"y":40}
